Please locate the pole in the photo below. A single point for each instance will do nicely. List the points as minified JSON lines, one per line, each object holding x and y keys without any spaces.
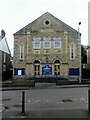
{"x":34,"y":79}
{"x":79,"y":52}
{"x":56,"y":80}
{"x":23,"y":101}
{"x":88,"y":100}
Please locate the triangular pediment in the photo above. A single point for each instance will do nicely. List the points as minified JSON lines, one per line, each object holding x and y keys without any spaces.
{"x":46,"y":20}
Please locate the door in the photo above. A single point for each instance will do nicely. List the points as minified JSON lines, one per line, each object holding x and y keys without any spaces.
{"x":37,"y":70}
{"x":57,"y":70}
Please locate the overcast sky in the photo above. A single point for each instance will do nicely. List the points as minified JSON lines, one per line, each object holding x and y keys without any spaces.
{"x":15,"y":14}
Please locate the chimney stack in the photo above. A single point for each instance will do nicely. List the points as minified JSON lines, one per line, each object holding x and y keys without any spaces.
{"x":2,"y":33}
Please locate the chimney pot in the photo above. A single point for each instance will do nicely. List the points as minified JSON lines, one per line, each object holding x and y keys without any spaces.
{"x":2,"y":33}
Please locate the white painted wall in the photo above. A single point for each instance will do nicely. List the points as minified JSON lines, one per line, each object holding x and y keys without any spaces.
{"x":4,"y":46}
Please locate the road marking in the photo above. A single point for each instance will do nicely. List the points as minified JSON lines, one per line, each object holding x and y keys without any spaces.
{"x":33,"y":100}
{"x":82,"y":98}
{"x":29,"y":101}
{"x":47,"y":100}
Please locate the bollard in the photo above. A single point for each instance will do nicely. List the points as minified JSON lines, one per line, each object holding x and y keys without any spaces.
{"x":34,"y":79}
{"x":89,"y":100}
{"x":23,"y":101}
{"x":56,"y":80}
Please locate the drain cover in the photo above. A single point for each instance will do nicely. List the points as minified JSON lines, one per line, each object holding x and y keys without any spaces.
{"x":67,"y":100}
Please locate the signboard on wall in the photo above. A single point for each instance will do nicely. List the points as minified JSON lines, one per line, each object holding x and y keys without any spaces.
{"x":74,"y":71}
{"x":46,"y":70}
{"x":19,"y":71}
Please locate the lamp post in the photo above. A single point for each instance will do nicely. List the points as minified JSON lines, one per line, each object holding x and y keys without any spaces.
{"x":79,"y":52}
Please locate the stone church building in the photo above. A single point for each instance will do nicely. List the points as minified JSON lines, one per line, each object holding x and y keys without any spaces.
{"x":46,"y":47}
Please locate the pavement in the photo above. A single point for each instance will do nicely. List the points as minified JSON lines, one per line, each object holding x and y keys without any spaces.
{"x":49,"y":114}
{"x":44,"y":86}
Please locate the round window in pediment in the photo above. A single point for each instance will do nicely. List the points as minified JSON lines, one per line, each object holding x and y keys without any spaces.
{"x":47,"y":22}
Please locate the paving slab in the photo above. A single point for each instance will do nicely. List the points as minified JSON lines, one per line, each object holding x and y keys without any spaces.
{"x":48,"y":114}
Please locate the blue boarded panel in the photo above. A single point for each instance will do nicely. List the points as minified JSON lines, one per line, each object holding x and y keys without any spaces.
{"x":46,"y":70}
{"x":19,"y":71}
{"x":74,"y":71}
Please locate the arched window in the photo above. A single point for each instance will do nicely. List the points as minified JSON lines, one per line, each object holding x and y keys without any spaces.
{"x":37,"y":67}
{"x":72,"y":52}
{"x":57,"y":68}
{"x":56,"y":62}
{"x":21,"y":52}
{"x":56,"y":42}
{"x":46,"y":42}
{"x":36,"y":42}
{"x":36,"y":62}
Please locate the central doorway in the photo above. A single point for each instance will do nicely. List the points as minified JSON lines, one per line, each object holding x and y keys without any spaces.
{"x":57,"y":68}
{"x":37,"y":68}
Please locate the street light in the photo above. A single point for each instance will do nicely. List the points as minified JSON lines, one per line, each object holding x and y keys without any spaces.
{"x":79,"y":51}
{"x":79,"y":23}
{"x":79,"y":27}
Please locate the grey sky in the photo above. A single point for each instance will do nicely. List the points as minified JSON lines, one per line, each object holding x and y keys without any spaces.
{"x":15,"y":14}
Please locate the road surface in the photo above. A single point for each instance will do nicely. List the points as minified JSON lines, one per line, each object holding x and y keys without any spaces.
{"x":53,"y":102}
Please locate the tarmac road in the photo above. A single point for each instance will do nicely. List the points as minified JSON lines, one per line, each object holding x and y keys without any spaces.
{"x":47,"y":103}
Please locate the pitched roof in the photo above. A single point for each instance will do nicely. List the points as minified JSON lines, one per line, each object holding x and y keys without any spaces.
{"x":43,"y":15}
{"x":4,"y":45}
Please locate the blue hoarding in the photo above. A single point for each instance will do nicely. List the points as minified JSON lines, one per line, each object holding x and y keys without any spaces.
{"x":74,"y":71}
{"x":46,"y":70}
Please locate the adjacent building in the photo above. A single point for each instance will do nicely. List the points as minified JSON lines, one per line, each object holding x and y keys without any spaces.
{"x":88,"y":57}
{"x":46,"y":47}
{"x":4,"y":57}
{"x":88,"y":52}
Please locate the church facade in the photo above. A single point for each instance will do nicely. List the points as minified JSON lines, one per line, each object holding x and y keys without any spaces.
{"x":46,"y":47}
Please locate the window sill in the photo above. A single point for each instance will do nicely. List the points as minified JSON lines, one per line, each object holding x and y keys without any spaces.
{"x":21,"y":60}
{"x":72,"y":59}
{"x":36,"y":48}
{"x":57,"y":48}
{"x":46,"y":48}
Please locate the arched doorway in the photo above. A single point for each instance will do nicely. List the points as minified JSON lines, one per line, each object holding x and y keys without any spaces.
{"x":37,"y":67}
{"x":57,"y":68}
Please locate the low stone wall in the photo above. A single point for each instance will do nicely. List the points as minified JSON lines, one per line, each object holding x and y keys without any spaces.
{"x":18,"y":84}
